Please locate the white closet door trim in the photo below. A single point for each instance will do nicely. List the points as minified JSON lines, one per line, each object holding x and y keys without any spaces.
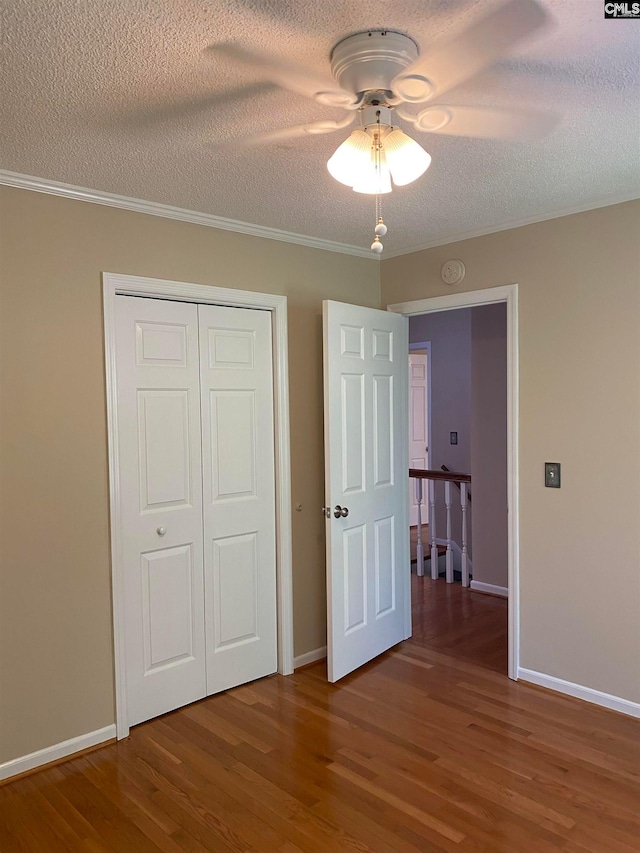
{"x":115,"y":284}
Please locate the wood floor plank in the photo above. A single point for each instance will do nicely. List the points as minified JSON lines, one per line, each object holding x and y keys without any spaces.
{"x":193,"y":803}
{"x":428,"y":749}
{"x":278,"y":810}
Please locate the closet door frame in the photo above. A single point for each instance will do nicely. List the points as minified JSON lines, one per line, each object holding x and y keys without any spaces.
{"x":114,"y":285}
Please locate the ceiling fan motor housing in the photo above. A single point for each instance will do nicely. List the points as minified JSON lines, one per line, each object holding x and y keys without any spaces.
{"x":376,"y":115}
{"x":370,"y":60}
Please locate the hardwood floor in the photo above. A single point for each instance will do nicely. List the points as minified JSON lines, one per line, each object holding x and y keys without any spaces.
{"x":428,"y":748}
{"x":467,"y":625}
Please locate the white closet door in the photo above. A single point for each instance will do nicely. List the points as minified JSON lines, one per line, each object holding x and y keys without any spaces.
{"x":160,"y":486}
{"x":239,"y":495}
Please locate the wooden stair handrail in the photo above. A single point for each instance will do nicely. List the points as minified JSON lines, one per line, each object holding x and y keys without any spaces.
{"x":457,"y":485}
{"x":428,"y":474}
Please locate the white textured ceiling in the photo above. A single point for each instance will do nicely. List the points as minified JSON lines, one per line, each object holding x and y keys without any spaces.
{"x":122,"y":96}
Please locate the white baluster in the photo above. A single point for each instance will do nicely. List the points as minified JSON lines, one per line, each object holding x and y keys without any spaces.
{"x":465,"y":554}
{"x":432,"y":530}
{"x":449,"y":558}
{"x":419,"y":549}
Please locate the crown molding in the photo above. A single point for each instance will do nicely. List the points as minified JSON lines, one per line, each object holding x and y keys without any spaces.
{"x":606,"y":201}
{"x":152,"y":208}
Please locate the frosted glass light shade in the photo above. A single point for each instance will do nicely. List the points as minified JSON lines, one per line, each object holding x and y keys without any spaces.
{"x":351,"y":159}
{"x":376,"y":178}
{"x":406,"y":159}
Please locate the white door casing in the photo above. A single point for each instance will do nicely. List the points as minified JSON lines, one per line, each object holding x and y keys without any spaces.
{"x":366,"y":462}
{"x":115,"y":284}
{"x":239,"y":495}
{"x":161,"y":500}
{"x":418,"y":429}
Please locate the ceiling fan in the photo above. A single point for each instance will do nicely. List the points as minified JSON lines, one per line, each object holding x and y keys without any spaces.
{"x":380,"y":76}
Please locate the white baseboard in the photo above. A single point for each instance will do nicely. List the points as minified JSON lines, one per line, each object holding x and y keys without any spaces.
{"x":596,"y":697}
{"x":492,"y":589}
{"x":55,"y":752}
{"x":310,"y":657}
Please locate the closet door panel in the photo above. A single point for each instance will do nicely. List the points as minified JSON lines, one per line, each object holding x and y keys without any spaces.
{"x":160,"y":482}
{"x":239,"y":495}
{"x":232,"y":416}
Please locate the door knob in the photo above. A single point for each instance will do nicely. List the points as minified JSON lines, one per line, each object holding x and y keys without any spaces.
{"x":341,"y":511}
{"x":161,"y":531}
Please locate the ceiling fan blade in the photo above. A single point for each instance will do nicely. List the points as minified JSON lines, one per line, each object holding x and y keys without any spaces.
{"x":452,"y":62}
{"x":294,"y":78}
{"x":189,"y":109}
{"x":316,"y":128}
{"x":484,"y":122}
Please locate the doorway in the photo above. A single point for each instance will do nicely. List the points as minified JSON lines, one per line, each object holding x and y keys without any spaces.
{"x":509,"y":295}
{"x":115,"y":286}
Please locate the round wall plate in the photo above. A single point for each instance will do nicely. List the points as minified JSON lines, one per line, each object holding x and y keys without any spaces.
{"x":452,"y":272}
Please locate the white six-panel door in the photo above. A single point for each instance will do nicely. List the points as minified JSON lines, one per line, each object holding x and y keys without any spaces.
{"x":239,"y":495}
{"x":418,"y":431}
{"x":185,"y":561}
{"x":161,"y":498}
{"x":366,"y":465}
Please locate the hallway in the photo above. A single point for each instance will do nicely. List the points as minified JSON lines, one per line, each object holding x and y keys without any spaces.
{"x":446,"y":617}
{"x":465,"y":625}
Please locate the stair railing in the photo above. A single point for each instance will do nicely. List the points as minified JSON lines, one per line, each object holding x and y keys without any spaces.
{"x":462,"y":481}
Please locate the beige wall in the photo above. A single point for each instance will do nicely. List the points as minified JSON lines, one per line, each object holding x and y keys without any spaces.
{"x":580,"y":404}
{"x":56,"y":669}
{"x":579,"y":287}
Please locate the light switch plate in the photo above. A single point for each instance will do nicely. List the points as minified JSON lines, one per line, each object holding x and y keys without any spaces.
{"x":453,"y":438}
{"x":552,"y":475}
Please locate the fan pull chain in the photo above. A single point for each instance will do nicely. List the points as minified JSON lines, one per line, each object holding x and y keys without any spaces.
{"x":380,"y":228}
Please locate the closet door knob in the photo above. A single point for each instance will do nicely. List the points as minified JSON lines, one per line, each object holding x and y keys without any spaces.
{"x":341,"y":511}
{"x":161,"y":531}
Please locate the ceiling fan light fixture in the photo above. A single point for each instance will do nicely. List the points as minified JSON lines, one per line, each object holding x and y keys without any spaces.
{"x":405,"y":158}
{"x":376,"y":178}
{"x":351,"y":159}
